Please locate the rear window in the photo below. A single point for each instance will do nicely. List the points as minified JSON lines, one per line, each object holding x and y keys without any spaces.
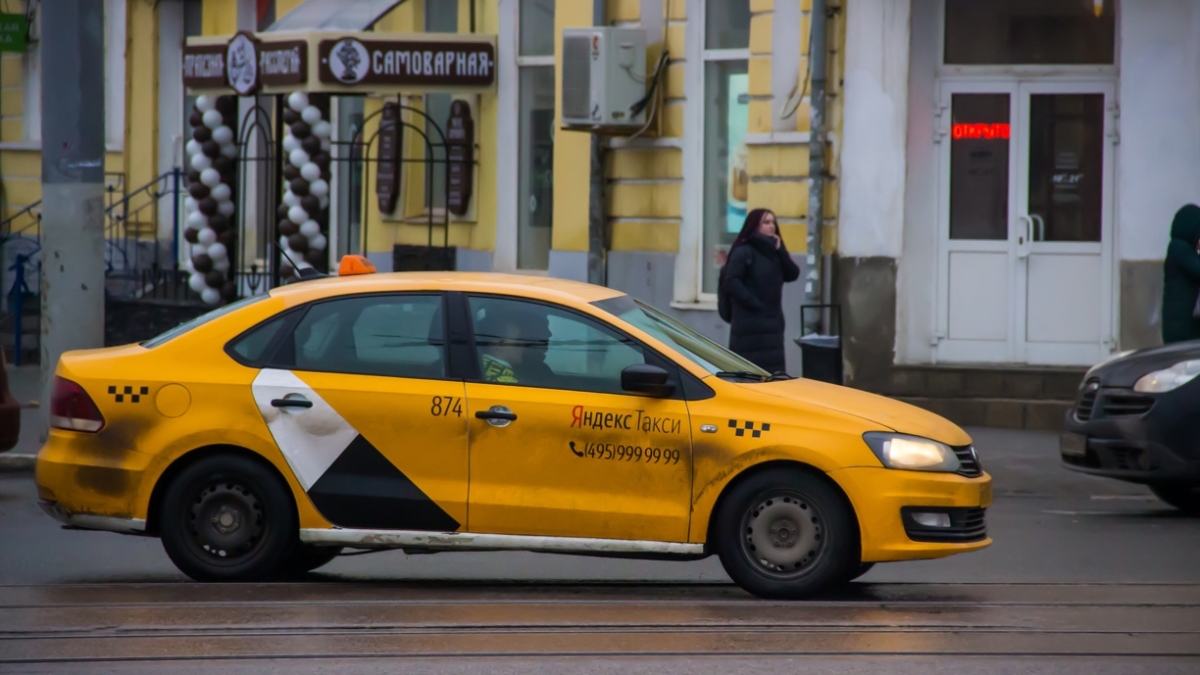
{"x":252,"y":346}
{"x":201,"y":320}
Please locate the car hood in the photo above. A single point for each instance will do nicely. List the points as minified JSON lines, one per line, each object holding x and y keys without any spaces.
{"x":885,"y":412}
{"x":1127,"y":370}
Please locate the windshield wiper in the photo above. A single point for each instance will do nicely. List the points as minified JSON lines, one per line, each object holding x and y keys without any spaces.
{"x":743,"y":374}
{"x":757,"y":377}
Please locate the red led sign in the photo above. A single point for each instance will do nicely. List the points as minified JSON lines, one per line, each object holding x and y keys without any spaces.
{"x":983,"y":130}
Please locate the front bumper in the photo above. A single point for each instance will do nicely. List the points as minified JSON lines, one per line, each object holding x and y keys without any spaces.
{"x":882,"y":498}
{"x":1160,"y":445}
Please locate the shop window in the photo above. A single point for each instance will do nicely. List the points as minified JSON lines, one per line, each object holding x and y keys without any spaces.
{"x":1002,"y":32}
{"x":535,"y":180}
{"x":441,"y":16}
{"x":726,"y":103}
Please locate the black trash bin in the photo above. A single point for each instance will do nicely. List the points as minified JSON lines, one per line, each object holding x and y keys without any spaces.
{"x":821,"y":355}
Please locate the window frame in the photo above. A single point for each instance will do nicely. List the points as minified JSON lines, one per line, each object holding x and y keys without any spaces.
{"x":689,"y":265}
{"x":676,"y":375}
{"x":271,"y":355}
{"x":526,"y":62}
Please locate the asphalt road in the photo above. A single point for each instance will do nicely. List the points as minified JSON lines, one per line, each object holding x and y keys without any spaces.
{"x":1086,"y":576}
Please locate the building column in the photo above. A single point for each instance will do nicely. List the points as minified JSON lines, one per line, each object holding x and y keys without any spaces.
{"x":872,"y":176}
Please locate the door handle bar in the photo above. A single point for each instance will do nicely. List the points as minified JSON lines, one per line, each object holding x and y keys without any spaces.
{"x":291,"y":403}
{"x":1041,"y":227}
{"x":1024,"y":240}
{"x":496,"y":415}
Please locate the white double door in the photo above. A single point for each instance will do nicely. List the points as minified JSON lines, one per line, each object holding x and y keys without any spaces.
{"x":1025,"y":222}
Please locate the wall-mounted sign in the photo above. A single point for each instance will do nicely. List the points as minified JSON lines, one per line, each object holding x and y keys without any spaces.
{"x":13,"y":31}
{"x":390,"y":64}
{"x":360,"y":63}
{"x":460,"y":155}
{"x":387,"y":176}
{"x":241,"y":64}
{"x":244,"y":64}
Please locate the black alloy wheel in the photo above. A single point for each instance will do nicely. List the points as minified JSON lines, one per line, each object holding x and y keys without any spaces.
{"x":787,"y":534}
{"x":228,"y":518}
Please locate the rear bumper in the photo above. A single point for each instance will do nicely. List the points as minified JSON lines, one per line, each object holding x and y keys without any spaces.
{"x":881,"y":497}
{"x":85,"y":521}
{"x":82,"y":486}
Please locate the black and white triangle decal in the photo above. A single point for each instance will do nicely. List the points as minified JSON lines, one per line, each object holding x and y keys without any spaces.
{"x":350,"y":482}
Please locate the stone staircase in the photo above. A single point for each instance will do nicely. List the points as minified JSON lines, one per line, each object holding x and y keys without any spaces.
{"x":1010,"y":397}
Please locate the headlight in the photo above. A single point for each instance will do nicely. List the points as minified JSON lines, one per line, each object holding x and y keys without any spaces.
{"x":1170,"y":378}
{"x":912,"y":453}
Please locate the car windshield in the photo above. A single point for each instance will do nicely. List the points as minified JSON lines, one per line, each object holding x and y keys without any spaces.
{"x":201,"y":320}
{"x":700,"y":350}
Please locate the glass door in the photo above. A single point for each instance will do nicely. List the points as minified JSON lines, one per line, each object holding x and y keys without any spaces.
{"x":1064,"y":257}
{"x":976,"y":284}
{"x":1025,"y":261}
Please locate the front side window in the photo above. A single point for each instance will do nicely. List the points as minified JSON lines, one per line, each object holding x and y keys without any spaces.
{"x":688,"y":343}
{"x":726,"y":111}
{"x":537,"y":345}
{"x":388,"y":335}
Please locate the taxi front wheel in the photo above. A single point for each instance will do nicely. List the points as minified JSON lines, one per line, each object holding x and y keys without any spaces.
{"x":228,"y":518}
{"x":786,"y":535}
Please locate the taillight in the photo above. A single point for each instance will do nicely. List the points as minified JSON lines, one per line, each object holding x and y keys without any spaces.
{"x":72,"y":408}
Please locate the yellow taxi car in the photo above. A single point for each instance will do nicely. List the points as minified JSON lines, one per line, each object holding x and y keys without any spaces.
{"x":468,"y":411}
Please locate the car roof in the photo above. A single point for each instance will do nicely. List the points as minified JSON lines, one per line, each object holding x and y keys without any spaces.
{"x":545,"y":288}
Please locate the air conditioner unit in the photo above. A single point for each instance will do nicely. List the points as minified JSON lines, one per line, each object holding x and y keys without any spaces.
{"x":604,"y":75}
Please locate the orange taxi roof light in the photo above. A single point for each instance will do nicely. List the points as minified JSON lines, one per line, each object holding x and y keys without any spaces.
{"x":355,"y":264}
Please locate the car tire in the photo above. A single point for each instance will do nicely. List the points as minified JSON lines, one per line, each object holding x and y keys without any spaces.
{"x":1183,"y":497}
{"x":228,"y":518}
{"x":786,"y":535}
{"x":306,"y":558}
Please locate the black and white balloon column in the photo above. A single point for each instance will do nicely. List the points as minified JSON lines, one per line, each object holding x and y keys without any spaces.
{"x":209,"y":208}
{"x":303,"y":216}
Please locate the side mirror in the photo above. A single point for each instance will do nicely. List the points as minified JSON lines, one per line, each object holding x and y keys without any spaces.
{"x":646,"y":379}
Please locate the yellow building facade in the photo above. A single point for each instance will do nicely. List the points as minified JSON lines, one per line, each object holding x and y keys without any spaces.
{"x":729,"y":133}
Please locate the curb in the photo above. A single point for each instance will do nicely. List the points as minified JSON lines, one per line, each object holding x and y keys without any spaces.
{"x":12,"y":462}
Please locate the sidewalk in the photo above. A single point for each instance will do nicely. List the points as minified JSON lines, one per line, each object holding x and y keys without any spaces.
{"x":24,"y":381}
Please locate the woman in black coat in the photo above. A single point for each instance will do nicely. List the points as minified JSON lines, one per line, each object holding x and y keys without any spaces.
{"x":1181,"y":278}
{"x":754,"y":273}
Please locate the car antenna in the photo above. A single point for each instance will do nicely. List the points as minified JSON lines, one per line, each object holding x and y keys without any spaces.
{"x":304,"y":273}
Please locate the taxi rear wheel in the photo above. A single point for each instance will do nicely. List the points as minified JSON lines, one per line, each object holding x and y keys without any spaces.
{"x":228,"y":518}
{"x":786,"y":535}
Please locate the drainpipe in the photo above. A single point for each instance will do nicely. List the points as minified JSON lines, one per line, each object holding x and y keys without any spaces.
{"x":817,"y":169}
{"x":595,"y":257}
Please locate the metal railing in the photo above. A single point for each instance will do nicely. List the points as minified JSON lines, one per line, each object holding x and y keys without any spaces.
{"x":141,"y":258}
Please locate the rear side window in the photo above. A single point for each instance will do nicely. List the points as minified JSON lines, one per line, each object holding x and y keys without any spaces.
{"x":201,"y":320}
{"x":252,"y":347}
{"x":390,"y":335}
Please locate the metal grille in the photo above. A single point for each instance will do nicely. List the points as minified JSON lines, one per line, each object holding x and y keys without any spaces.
{"x":576,"y":77}
{"x":1125,"y":405}
{"x":969,"y":462}
{"x":1087,"y":401}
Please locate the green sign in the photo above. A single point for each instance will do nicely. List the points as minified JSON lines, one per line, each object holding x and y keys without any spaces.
{"x":13,"y":30}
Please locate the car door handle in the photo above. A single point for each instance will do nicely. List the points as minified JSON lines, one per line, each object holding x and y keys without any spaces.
{"x":496,"y":415}
{"x":291,"y":403}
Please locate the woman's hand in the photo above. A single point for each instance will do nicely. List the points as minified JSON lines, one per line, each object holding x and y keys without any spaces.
{"x":778,"y":241}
